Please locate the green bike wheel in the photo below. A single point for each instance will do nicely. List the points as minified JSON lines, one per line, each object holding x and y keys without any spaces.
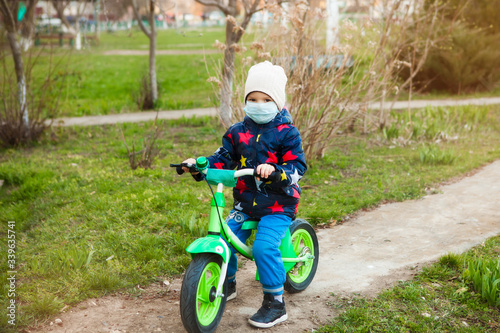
{"x":304,"y":241}
{"x":201,"y":309}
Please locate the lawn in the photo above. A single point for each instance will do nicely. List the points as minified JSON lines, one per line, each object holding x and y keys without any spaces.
{"x":183,"y":39}
{"x":99,"y":84}
{"x":86,"y":224}
{"x":441,"y":298}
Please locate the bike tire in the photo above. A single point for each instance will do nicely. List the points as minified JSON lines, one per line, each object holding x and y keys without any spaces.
{"x":200,"y":310}
{"x":304,"y":240}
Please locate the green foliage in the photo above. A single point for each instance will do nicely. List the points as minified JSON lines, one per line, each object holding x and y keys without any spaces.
{"x":435,"y":123}
{"x":464,"y":58}
{"x":451,"y":260}
{"x":468,"y":61}
{"x":485,"y":276}
{"x":433,"y":155}
{"x":43,"y":305}
{"x":478,"y":13}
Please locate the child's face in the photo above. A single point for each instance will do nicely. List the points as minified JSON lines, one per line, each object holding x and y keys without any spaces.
{"x":259,"y":97}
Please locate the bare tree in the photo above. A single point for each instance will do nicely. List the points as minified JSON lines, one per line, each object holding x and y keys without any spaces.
{"x":27,"y":25}
{"x":234,"y":32}
{"x":151,"y":34}
{"x":60,"y":6}
{"x":11,"y":24}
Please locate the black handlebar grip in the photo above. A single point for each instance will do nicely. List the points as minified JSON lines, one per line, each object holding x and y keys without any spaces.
{"x":178,"y":168}
{"x":275,"y":176}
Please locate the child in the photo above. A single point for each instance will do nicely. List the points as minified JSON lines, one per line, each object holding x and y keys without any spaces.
{"x":267,"y":140}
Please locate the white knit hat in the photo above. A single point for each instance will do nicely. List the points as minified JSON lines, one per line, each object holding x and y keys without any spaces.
{"x":269,"y":79}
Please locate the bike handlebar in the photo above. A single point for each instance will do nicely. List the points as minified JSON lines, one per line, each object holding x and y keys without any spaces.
{"x":275,"y":176}
{"x":180,"y":171}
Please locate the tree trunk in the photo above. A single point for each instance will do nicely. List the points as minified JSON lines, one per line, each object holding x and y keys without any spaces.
{"x":96,"y":19}
{"x":21,"y":81}
{"x":78,"y":35}
{"x":226,"y":92}
{"x":28,"y":25}
{"x":152,"y":53}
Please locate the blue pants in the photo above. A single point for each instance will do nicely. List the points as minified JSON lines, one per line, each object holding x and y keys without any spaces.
{"x":270,"y":231}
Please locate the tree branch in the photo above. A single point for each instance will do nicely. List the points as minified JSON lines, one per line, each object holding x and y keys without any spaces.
{"x":60,"y":6}
{"x":219,"y":4}
{"x":138,"y":18}
{"x":210,"y":3}
{"x":8,"y":18}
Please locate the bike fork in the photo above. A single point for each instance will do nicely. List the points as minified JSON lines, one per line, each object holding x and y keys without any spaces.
{"x":223,"y":272}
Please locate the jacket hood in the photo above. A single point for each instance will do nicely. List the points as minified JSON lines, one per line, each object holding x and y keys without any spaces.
{"x":283,"y":117}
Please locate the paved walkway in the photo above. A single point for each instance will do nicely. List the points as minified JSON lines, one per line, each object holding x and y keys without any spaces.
{"x":175,"y":114}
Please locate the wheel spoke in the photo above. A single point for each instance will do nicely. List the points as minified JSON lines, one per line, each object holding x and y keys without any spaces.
{"x":296,"y":244}
{"x":202,"y":297}
{"x":203,"y":309}
{"x":213,"y":280}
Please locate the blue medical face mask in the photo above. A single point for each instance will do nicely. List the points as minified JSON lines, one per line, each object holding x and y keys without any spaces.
{"x":261,"y":113}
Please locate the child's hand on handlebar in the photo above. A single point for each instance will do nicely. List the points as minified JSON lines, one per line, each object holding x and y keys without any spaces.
{"x":265,"y":170}
{"x":189,"y":161}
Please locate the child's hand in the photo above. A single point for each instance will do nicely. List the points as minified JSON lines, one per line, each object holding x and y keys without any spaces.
{"x":265,"y":170}
{"x":191,"y":161}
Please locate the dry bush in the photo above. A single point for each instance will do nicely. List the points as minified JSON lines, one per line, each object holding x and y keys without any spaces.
{"x":330,"y":90}
{"x":42,"y":96}
{"x":144,"y":158}
{"x":143,"y":96}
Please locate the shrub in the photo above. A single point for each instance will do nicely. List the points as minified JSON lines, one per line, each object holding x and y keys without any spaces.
{"x":27,"y":111}
{"x":485,"y":276}
{"x":143,"y":96}
{"x":468,"y":60}
{"x":149,"y":148}
{"x":478,"y":13}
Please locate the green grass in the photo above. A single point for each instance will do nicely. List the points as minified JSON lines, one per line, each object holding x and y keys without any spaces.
{"x":438,"y":299}
{"x":98,"y":84}
{"x":87,"y":225}
{"x":183,"y":39}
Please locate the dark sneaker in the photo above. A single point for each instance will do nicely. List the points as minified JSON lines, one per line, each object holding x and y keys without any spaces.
{"x":271,"y":313}
{"x":231,"y":291}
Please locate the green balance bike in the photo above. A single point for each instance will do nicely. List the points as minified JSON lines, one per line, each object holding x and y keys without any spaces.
{"x":204,"y":288}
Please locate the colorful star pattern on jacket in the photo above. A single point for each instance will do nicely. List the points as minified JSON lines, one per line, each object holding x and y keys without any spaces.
{"x":246,"y":145}
{"x":245,"y":137}
{"x":276,"y":207}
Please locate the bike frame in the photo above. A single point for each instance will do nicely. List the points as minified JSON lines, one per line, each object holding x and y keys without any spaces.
{"x":218,"y":230}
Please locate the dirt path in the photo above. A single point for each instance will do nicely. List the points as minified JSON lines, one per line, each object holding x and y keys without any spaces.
{"x":174,"y":114}
{"x":365,"y":255}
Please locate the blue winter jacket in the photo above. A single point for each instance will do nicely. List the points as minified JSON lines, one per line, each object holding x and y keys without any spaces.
{"x":246,"y":145}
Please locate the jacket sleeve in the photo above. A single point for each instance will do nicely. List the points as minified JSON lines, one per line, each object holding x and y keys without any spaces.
{"x":224,"y":156}
{"x":293,"y":165}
